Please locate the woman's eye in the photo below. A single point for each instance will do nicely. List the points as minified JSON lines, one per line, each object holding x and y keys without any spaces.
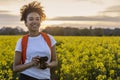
{"x":30,"y":19}
{"x":37,"y":19}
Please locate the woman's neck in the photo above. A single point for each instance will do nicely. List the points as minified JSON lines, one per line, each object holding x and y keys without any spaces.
{"x":34,"y":33}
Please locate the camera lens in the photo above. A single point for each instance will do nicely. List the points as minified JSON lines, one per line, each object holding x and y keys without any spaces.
{"x":43,"y":61}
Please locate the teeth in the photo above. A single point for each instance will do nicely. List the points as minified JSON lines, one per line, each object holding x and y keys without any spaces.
{"x":34,"y":24}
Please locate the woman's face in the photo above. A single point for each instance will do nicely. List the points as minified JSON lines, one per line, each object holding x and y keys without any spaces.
{"x":33,"y":21}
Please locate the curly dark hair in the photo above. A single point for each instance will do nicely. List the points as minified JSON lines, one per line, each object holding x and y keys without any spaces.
{"x":32,"y":7}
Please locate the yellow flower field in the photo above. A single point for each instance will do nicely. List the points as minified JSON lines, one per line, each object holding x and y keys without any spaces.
{"x":80,"y":58}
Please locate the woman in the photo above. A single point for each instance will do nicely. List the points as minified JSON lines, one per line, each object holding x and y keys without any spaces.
{"x":33,"y":14}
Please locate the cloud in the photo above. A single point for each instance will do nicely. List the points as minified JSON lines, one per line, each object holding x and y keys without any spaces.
{"x":113,"y":9}
{"x":92,"y":1}
{"x":89,"y":18}
{"x":9,"y":20}
{"x":6,"y":16}
{"x":4,"y":12}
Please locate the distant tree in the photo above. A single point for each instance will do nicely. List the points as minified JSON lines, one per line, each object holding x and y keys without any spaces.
{"x":98,"y":32}
{"x":54,"y":30}
{"x":116,"y":32}
{"x":85,"y":32}
{"x":11,"y":31}
{"x":69,"y":31}
{"x":64,"y":31}
{"x":108,"y":32}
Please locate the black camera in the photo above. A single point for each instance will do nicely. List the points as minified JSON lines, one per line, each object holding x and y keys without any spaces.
{"x":43,"y":61}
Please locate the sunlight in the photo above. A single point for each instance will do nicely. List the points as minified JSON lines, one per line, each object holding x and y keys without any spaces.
{"x":51,"y":22}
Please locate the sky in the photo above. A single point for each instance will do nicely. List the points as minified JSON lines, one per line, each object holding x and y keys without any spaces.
{"x":102,"y":13}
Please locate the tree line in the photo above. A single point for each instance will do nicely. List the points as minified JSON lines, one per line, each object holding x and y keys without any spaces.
{"x":12,"y":31}
{"x":64,"y":31}
{"x":70,"y":31}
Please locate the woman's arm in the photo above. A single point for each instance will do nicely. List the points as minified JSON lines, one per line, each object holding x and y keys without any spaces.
{"x":54,"y":61}
{"x":17,"y":66}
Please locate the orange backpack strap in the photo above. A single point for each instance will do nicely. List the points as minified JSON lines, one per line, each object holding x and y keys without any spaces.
{"x":24,"y":47}
{"x":46,"y":38}
{"x":25,"y":41}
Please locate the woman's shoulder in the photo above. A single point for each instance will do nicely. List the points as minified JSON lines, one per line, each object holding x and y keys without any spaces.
{"x":50,"y":36}
{"x":19,"y":40}
{"x":53,"y":41}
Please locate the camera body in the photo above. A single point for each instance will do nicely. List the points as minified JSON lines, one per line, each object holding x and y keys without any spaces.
{"x":42,"y":62}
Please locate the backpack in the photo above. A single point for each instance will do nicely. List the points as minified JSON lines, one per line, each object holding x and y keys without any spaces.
{"x":24,"y":47}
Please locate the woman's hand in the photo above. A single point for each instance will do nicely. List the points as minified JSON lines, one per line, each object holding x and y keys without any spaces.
{"x":17,"y":66}
{"x":35,"y":60}
{"x":42,"y":62}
